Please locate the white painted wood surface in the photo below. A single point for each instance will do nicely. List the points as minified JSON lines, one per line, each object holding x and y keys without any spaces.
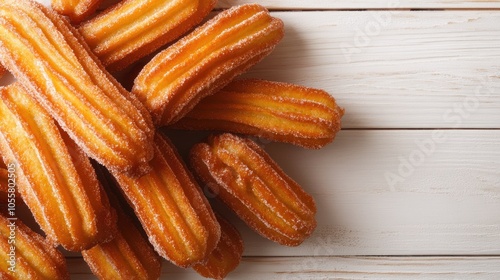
{"x":303,"y":268}
{"x":421,"y":91}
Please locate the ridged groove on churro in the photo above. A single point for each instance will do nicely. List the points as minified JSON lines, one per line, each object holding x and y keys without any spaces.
{"x":129,"y":251}
{"x":48,"y":56}
{"x":76,"y":10}
{"x":276,"y":111}
{"x":133,"y":29}
{"x":171,"y":207}
{"x":252,"y":184}
{"x":226,"y":256}
{"x":35,"y":258}
{"x":54,"y":177}
{"x":206,"y":60}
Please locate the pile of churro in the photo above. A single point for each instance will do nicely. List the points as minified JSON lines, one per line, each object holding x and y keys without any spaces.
{"x":91,"y":159}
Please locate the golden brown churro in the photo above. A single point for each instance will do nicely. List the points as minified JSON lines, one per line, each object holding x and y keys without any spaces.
{"x":76,"y":10}
{"x":133,"y":29}
{"x":253,"y":185}
{"x":128,"y":256}
{"x":171,"y":207}
{"x":277,"y":111}
{"x":226,"y":256}
{"x":27,"y":255}
{"x":49,"y":58}
{"x":205,"y":60}
{"x":54,"y":177}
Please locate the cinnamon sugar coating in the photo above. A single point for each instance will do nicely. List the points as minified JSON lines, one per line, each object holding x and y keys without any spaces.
{"x":255,"y":188}
{"x":127,"y":256}
{"x":226,"y":256}
{"x":174,"y":213}
{"x":35,"y":257}
{"x":206,"y":60}
{"x":53,"y":63}
{"x":53,"y":175}
{"x":276,"y":111}
{"x":75,"y":10}
{"x":132,"y":29}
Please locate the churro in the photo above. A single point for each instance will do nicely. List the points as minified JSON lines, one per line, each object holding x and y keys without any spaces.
{"x":53,"y":175}
{"x":131,"y":29}
{"x":276,"y":111}
{"x":226,"y":256}
{"x":53,"y":63}
{"x":171,"y":207}
{"x":206,"y":60}
{"x":127,"y":256}
{"x":75,"y":10}
{"x":255,"y":188}
{"x":27,"y":255}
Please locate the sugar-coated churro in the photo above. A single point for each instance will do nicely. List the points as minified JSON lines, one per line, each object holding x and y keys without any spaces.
{"x":27,"y":255}
{"x":226,"y":256}
{"x":132,"y":29}
{"x":171,"y":207}
{"x":276,"y":111}
{"x":53,"y":175}
{"x":253,"y":185}
{"x":51,"y":60}
{"x":205,"y":60}
{"x":75,"y":10}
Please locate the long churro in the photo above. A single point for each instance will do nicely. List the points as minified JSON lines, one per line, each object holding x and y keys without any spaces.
{"x":206,"y":60}
{"x":171,"y":207}
{"x":27,"y":255}
{"x":255,"y":188}
{"x":276,"y":111}
{"x":226,"y":256}
{"x":131,"y":29}
{"x":128,"y":255}
{"x":51,"y":60}
{"x":54,"y":177}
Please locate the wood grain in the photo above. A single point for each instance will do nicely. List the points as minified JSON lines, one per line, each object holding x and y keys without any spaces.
{"x":303,"y":268}
{"x":443,"y":202}
{"x":420,"y":70}
{"x":365,"y":4}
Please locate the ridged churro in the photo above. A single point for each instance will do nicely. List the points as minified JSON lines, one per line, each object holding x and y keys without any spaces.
{"x":128,"y":255}
{"x":206,"y":60}
{"x":276,"y":111}
{"x":226,"y":256}
{"x":75,"y":10}
{"x":255,"y":188}
{"x":53,"y":175}
{"x":33,"y":257}
{"x":131,"y":29}
{"x":51,"y":60}
{"x":171,"y":207}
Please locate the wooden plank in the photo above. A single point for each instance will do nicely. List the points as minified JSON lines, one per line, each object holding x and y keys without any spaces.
{"x":393,"y":192}
{"x":396,"y":70}
{"x":480,"y":268}
{"x":364,"y":4}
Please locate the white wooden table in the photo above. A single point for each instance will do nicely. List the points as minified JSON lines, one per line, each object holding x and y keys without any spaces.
{"x":411,"y":186}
